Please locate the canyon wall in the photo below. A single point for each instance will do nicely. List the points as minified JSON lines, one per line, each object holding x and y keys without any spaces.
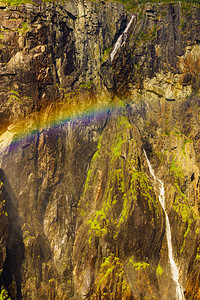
{"x":80,"y":215}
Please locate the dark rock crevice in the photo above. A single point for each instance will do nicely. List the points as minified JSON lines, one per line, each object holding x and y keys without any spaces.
{"x":15,"y":250}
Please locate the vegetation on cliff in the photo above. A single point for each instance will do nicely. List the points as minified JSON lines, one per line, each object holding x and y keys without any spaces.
{"x":79,"y":212}
{"x":131,"y":3}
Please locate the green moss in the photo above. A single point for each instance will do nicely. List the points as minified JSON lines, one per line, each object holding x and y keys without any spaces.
{"x":100,"y":223}
{"x":184,"y":144}
{"x":14,"y":95}
{"x":198,"y":254}
{"x":117,"y":147}
{"x":4,"y":295}
{"x":176,"y":171}
{"x":106,"y":54}
{"x":88,"y":178}
{"x":28,"y":239}
{"x":167,"y":132}
{"x":98,"y":149}
{"x":16,"y":2}
{"x":24,"y":28}
{"x":159,"y":270}
{"x":86,"y":85}
{"x":123,"y":127}
{"x":14,"y":92}
{"x":108,"y":272}
{"x":184,"y":210}
{"x":14,"y":98}
{"x":119,"y":140}
{"x":123,"y":122}
{"x":182,"y":206}
{"x":161,"y":157}
{"x":97,"y":225}
{"x":185,"y":235}
{"x":111,"y":271}
{"x":103,"y":221}
{"x":148,"y":193}
{"x":123,"y":185}
{"x":138,"y":265}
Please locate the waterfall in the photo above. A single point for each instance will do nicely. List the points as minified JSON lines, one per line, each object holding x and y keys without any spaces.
{"x":174,"y":269}
{"x":121,"y":39}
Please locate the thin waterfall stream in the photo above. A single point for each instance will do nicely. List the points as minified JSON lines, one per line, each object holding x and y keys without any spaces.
{"x":174,"y":268}
{"x":122,"y":38}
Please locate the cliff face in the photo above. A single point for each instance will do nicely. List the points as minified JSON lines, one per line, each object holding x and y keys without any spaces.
{"x":80,"y":214}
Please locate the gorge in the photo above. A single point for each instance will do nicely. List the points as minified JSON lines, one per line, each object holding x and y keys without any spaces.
{"x":85,"y":86}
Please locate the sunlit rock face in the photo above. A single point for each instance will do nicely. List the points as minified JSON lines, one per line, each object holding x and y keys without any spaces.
{"x":79,"y":210}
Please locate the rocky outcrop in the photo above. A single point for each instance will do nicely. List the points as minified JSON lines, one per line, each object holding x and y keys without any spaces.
{"x":53,"y":50}
{"x":80,"y":216}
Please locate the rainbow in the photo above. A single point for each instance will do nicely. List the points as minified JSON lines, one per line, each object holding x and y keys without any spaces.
{"x":52,"y":116}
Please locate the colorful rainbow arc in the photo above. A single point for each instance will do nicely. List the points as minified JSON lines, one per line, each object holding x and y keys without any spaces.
{"x":52,"y":117}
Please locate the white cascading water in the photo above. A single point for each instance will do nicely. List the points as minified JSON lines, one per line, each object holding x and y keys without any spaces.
{"x":121,"y":39}
{"x":174,"y":269}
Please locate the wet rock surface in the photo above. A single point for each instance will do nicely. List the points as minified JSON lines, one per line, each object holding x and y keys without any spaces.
{"x":79,"y":210}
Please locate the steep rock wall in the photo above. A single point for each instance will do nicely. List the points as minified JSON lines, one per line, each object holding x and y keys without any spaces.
{"x":79,"y":208}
